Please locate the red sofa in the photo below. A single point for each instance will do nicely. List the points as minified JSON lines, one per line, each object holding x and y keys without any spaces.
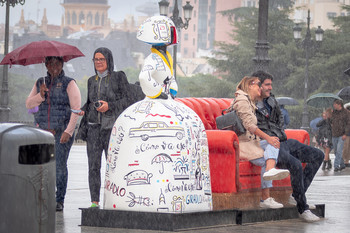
{"x":235,"y":183}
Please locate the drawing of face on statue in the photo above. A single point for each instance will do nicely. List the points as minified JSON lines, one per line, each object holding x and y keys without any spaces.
{"x":157,"y":77}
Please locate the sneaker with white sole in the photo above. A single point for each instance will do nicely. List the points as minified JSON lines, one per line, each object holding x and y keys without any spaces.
{"x":275,"y":174}
{"x":308,"y":216}
{"x":270,"y":203}
{"x":292,"y":201}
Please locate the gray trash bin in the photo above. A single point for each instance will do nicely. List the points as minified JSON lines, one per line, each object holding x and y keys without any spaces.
{"x":27,"y":179}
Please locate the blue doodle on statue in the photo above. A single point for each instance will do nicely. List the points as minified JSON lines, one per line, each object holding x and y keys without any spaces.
{"x":158,"y":158}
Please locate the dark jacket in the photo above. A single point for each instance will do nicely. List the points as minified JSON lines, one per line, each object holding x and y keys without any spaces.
{"x":113,"y":89}
{"x":324,"y":131}
{"x":54,"y":113}
{"x":270,"y":118}
{"x":340,"y":122}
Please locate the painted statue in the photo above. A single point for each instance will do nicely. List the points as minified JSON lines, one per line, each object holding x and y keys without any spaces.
{"x":158,"y":159}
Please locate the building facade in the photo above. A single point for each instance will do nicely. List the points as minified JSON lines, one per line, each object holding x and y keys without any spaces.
{"x":321,"y":11}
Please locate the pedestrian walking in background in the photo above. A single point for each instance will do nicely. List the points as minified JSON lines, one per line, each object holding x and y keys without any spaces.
{"x":346,"y":148}
{"x":324,"y":137}
{"x":56,"y":95}
{"x":107,"y":97}
{"x":340,"y":122}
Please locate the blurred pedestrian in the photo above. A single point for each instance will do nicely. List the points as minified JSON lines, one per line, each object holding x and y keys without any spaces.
{"x":324,"y":137}
{"x":56,"y":95}
{"x":340,"y":128}
{"x":106,"y":99}
{"x":346,"y":148}
{"x":285,"y":114}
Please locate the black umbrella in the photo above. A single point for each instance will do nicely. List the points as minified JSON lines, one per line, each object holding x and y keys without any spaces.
{"x":287,"y":101}
{"x":347,"y":71}
{"x":344,"y":93}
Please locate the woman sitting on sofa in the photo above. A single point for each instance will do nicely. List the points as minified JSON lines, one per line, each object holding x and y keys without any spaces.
{"x":263,"y":152}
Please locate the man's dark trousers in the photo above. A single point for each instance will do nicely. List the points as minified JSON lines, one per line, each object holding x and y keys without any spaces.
{"x":291,"y":156}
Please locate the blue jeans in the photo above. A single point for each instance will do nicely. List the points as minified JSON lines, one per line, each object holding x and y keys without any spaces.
{"x":338,"y":144}
{"x":270,"y":152}
{"x":292,"y":155}
{"x":62,"y":153}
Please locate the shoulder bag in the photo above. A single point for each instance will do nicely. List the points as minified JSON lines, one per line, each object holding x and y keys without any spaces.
{"x":230,"y":121}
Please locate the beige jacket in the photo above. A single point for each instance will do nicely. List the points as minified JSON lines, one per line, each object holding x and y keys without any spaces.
{"x":249,"y":143}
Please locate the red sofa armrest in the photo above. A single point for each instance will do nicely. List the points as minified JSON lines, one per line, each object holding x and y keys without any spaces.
{"x":223,"y":159}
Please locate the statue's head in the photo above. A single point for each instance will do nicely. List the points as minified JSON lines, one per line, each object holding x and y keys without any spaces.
{"x":158,"y":30}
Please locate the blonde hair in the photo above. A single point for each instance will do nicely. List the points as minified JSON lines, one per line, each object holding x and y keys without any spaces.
{"x":328,"y":112}
{"x":244,"y":84}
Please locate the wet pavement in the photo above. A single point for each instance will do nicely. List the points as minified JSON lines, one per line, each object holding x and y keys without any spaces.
{"x":329,"y":188}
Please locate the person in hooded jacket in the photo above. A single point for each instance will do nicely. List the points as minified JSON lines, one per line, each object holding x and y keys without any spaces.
{"x":107,"y":98}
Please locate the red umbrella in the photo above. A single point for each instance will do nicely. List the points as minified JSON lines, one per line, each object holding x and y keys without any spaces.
{"x":35,"y":53}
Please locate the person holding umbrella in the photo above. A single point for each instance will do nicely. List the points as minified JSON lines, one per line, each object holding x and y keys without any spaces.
{"x":107,"y":98}
{"x":57,"y":96}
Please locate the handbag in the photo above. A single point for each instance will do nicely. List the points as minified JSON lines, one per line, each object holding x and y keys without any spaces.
{"x":230,"y":121}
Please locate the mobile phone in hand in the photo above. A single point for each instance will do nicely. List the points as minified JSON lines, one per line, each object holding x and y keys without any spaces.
{"x":76,"y":111}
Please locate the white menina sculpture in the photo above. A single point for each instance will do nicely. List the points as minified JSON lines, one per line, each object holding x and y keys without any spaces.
{"x":158,"y":159}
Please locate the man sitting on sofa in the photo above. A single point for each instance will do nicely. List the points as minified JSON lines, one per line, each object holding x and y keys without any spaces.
{"x":292,"y":153}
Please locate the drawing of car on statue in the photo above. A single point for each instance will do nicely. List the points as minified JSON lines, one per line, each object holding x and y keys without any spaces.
{"x":156,"y":129}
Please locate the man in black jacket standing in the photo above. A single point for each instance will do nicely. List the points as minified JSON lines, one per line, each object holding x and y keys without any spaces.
{"x":292,"y":153}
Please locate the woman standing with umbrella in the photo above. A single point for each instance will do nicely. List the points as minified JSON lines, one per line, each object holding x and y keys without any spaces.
{"x":56,"y":95}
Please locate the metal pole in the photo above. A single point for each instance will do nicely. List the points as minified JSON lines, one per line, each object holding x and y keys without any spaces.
{"x":307,"y":44}
{"x":261,"y":58}
{"x":175,"y":20}
{"x":4,"y":109}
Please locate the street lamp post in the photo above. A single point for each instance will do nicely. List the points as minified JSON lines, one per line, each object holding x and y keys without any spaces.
{"x":4,"y":109}
{"x":307,"y":44}
{"x":261,"y":58}
{"x":163,"y":9}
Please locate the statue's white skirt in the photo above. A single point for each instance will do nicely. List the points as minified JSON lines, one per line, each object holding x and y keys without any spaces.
{"x":158,"y":160}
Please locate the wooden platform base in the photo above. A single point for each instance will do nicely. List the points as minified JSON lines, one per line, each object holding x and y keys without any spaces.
{"x":248,"y":200}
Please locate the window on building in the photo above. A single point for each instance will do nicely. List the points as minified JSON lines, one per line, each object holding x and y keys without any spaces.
{"x":193,"y":41}
{"x":74,"y":18}
{"x":89,"y":19}
{"x":68,"y":18}
{"x":331,"y":15}
{"x":103,"y":20}
{"x":97,"y":19}
{"x":81,"y":18}
{"x":185,"y":51}
{"x":194,"y":27}
{"x":186,"y":36}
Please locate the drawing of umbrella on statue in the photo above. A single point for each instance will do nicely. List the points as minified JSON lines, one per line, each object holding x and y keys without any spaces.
{"x":287,"y":101}
{"x":322,"y":100}
{"x":161,"y":158}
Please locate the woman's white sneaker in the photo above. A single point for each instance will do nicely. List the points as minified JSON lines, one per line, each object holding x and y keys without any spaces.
{"x":275,"y":174}
{"x":270,"y":203}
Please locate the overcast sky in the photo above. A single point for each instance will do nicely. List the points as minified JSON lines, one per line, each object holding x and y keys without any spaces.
{"x":33,"y":9}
